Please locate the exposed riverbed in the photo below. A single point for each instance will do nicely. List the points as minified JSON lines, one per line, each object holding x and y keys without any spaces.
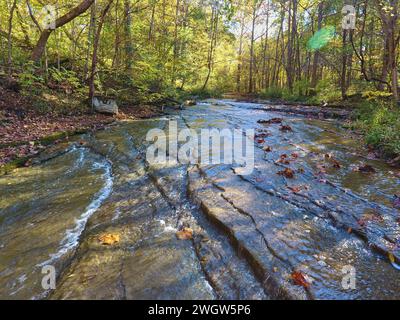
{"x":251,"y":232}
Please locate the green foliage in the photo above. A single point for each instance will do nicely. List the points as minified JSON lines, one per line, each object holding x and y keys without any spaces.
{"x":380,"y":121}
{"x":63,"y":76}
{"x":28,"y":78}
{"x":376,"y":95}
{"x":327,"y":91}
{"x":206,"y":93}
{"x":272,"y":93}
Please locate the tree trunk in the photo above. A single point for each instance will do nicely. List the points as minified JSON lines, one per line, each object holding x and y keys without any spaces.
{"x":9,"y":39}
{"x":128,"y":36}
{"x":95,"y":49}
{"x":41,"y":44}
{"x":344,"y":65}
{"x":251,"y":67}
{"x":315,"y":63}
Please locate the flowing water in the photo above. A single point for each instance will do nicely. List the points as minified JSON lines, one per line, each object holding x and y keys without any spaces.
{"x":251,"y":232}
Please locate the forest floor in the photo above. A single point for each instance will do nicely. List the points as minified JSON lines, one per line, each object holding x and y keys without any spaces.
{"x":25,"y":131}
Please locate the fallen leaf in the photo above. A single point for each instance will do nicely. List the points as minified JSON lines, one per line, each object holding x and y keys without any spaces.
{"x":283,"y":159}
{"x":259,"y":179}
{"x":295,"y":155}
{"x":109,"y":238}
{"x":285,"y":128}
{"x":288,"y":173}
{"x":262,"y":135}
{"x":267,"y":149}
{"x":273,"y":120}
{"x":185,"y":234}
{"x":299,"y":279}
{"x":296,"y":189}
{"x":391,"y":257}
{"x":260,"y":140}
{"x":336,"y":164}
{"x":349,"y":230}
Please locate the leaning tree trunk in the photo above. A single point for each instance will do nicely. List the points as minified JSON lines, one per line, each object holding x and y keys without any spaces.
{"x":41,"y":44}
{"x":9,"y":38}
{"x":95,"y":50}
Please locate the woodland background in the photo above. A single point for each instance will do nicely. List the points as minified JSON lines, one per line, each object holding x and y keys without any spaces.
{"x":152,"y":51}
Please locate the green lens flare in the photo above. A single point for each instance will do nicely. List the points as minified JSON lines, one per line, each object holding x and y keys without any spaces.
{"x":321,"y":38}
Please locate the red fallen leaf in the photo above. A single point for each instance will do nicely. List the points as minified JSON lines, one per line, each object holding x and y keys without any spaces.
{"x":299,"y":279}
{"x":285,"y":128}
{"x":294,"y":155}
{"x":273,"y":120}
{"x":283,"y":159}
{"x":336,"y":164}
{"x":260,"y":140}
{"x":295,"y":189}
{"x":261,"y":135}
{"x":288,"y":173}
{"x":267,"y":149}
{"x":366,"y":168}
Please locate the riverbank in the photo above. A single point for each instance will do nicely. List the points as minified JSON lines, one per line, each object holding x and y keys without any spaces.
{"x":27,"y":131}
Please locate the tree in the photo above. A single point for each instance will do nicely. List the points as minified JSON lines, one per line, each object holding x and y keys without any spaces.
{"x":45,"y":34}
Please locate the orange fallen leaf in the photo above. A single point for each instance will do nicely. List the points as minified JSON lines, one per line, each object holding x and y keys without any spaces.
{"x":185,"y":234}
{"x":109,"y":238}
{"x":349,"y":230}
{"x":295,"y":189}
{"x":288,"y":173}
{"x":299,"y":279}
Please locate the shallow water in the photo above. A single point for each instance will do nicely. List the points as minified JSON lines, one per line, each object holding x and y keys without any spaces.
{"x":250,"y":231}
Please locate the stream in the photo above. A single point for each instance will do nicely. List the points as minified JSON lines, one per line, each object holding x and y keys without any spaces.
{"x":250,"y":232}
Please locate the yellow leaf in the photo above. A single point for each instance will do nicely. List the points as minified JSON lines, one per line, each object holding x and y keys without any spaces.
{"x":109,"y":238}
{"x":185,"y":234}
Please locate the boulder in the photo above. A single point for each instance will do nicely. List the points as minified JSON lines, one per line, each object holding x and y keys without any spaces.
{"x":105,"y":106}
{"x":190,"y":102}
